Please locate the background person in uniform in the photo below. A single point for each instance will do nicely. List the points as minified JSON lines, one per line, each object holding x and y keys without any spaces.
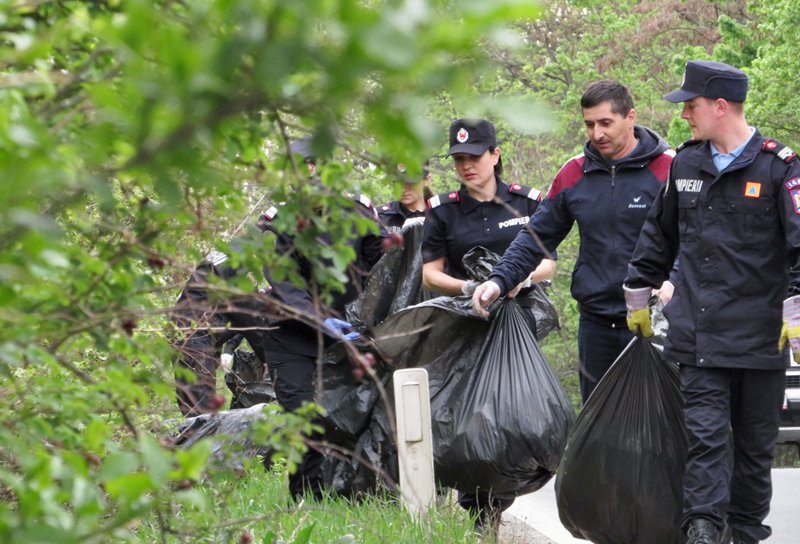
{"x":607,"y":190}
{"x":285,"y":344}
{"x":486,"y":212}
{"x":410,"y":207}
{"x":731,"y":212}
{"x":204,"y":344}
{"x":289,"y":347}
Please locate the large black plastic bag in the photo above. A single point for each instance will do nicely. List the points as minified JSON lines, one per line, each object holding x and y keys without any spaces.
{"x":248,"y":381}
{"x":371,"y":464}
{"x":394,"y":283}
{"x":479,"y":262}
{"x":230,"y":433}
{"x":348,"y":404}
{"x":620,"y":479}
{"x":506,"y":425}
{"x":500,"y":417}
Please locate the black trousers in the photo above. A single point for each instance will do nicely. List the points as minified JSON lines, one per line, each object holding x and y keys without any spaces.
{"x":293,"y":381}
{"x":599,"y":345}
{"x":200,"y":356}
{"x":732,"y":418}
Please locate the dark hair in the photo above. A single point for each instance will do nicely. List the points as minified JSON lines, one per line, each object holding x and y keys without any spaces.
{"x":607,"y":90}
{"x":498,"y":168}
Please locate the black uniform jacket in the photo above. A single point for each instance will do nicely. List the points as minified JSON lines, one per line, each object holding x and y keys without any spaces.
{"x":610,"y":205}
{"x":456,"y":222}
{"x":393,"y":214}
{"x":273,"y":333}
{"x":738,"y":237}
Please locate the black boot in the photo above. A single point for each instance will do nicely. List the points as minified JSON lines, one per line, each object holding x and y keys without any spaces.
{"x":702,"y":531}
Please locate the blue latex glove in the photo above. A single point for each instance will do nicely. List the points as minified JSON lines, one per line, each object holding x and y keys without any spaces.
{"x":337,"y":326}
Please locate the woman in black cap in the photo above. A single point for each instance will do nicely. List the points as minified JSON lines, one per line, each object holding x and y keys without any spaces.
{"x":485,"y":212}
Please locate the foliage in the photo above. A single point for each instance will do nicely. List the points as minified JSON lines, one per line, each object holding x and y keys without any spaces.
{"x":257,"y":503}
{"x":136,"y":136}
{"x":771,"y":104}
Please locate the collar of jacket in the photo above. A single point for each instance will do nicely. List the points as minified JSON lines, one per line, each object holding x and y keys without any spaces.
{"x":700,"y":155}
{"x":650,"y":145}
{"x":392,"y":207}
{"x":468,"y":203}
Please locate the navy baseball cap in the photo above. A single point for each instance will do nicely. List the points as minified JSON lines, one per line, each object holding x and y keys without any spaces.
{"x":711,"y":80}
{"x":471,"y":136}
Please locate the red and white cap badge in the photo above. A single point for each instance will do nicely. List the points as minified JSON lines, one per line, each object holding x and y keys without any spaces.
{"x":462,"y":135}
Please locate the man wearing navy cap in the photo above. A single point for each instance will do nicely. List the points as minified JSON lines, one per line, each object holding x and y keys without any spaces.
{"x":731,"y":213}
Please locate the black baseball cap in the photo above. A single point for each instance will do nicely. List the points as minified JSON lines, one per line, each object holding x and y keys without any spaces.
{"x":426,"y":169}
{"x":711,"y":80}
{"x":471,"y":136}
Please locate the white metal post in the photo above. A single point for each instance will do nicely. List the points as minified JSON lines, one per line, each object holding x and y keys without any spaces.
{"x":414,"y":442}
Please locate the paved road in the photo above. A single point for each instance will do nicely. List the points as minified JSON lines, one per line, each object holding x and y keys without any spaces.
{"x":533,"y":519}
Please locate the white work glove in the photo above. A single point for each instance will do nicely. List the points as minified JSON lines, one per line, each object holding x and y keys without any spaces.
{"x":226,"y":362}
{"x":636,"y":302}
{"x":484,"y":295}
{"x":411,"y":221}
{"x":469,"y":286}
{"x":666,"y":292}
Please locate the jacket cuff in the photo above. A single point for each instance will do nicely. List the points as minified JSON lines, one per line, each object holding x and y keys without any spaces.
{"x":636,"y":298}
{"x":791,"y":311}
{"x":497,"y":280}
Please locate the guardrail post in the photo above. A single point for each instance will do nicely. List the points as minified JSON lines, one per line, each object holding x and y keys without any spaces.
{"x":414,"y":441}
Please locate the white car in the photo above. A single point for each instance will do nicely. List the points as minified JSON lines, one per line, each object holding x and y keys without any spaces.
{"x":789,"y":432}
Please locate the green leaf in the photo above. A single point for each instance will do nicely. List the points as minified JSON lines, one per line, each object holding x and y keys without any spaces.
{"x":304,"y":535}
{"x":118,"y":464}
{"x":130,"y":488}
{"x":156,"y":460}
{"x":191,"y":462}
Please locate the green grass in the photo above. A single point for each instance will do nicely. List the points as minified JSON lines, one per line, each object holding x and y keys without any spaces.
{"x":225,"y":504}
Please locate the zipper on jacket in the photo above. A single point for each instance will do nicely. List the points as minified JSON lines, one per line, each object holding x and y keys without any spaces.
{"x":613,"y":175}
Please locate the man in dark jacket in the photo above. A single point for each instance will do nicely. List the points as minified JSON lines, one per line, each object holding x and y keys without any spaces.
{"x":607,"y":190}
{"x":731,"y":212}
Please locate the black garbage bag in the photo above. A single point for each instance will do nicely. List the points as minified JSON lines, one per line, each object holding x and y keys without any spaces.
{"x":506,"y":424}
{"x":500,"y":417}
{"x":371,"y":464}
{"x":410,"y":338}
{"x":348,"y":404}
{"x":479,"y":263}
{"x":620,"y":479}
{"x":248,"y":381}
{"x":230,"y":433}
{"x":394,"y":283}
